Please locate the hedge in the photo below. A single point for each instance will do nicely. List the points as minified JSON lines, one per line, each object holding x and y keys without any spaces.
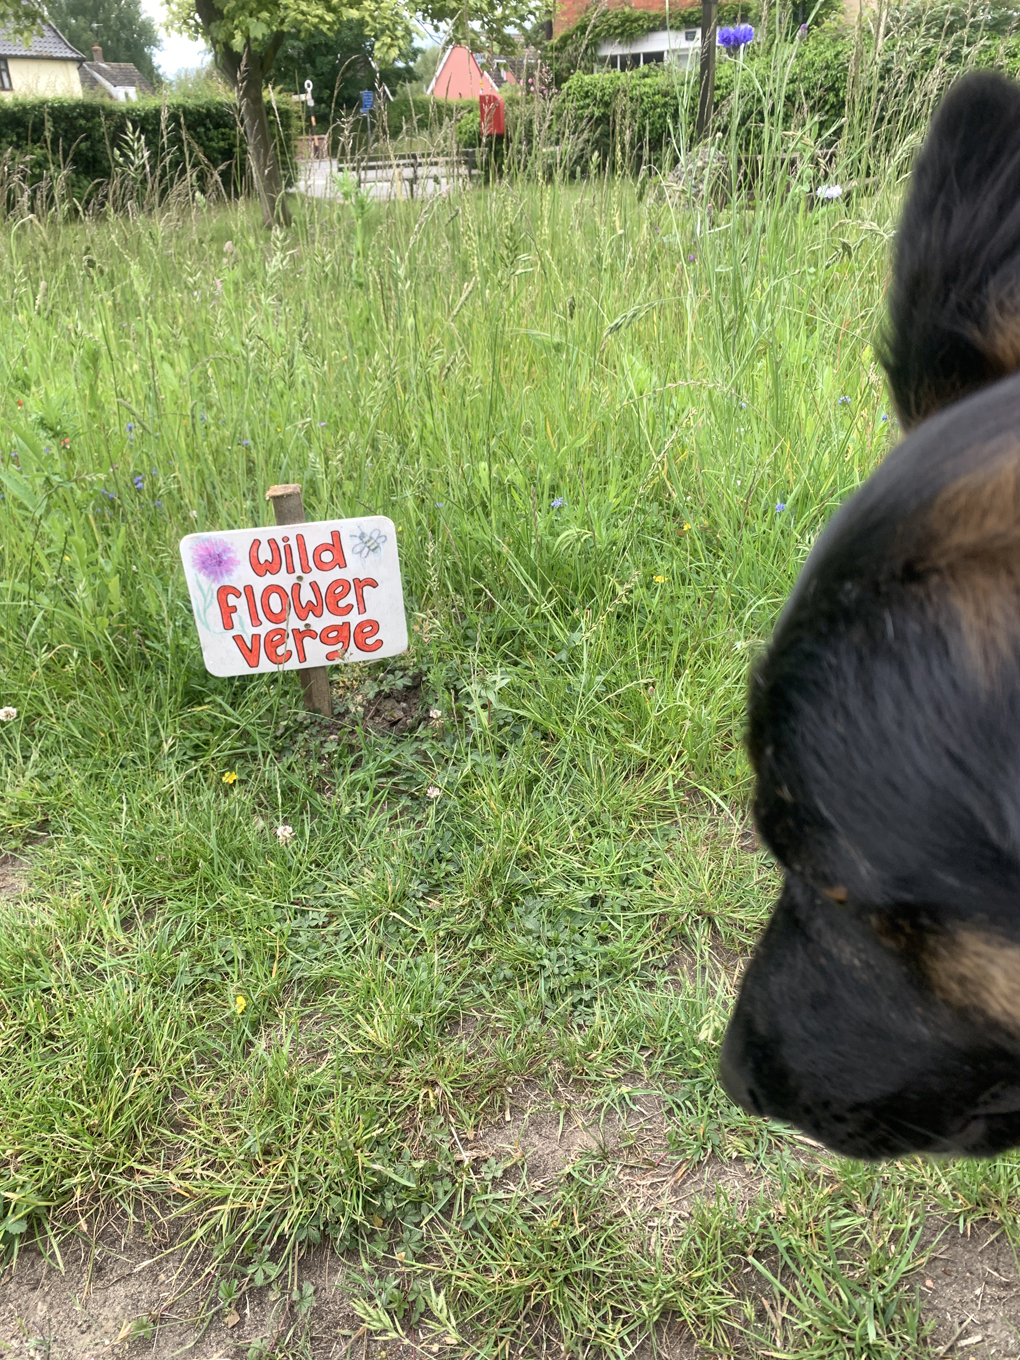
{"x":91,"y":141}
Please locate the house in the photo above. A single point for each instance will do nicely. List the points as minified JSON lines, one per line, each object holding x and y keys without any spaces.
{"x":680,"y":46}
{"x":459,"y":76}
{"x":118,"y":80}
{"x":46,"y":64}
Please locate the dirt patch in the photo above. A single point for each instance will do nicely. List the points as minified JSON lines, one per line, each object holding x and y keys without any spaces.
{"x":970,"y":1291}
{"x":124,"y":1293}
{"x":13,"y":876}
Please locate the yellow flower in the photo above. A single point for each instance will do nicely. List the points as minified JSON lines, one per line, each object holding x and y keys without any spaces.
{"x":230,"y":777}
{"x":685,"y":528}
{"x":659,"y":579}
{"x":239,"y":1004}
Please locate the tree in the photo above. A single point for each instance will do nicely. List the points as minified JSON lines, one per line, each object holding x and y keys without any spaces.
{"x":246,"y":37}
{"x":119,"y":26}
{"x":339,"y":64}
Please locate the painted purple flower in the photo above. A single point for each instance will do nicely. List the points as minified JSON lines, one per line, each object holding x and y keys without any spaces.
{"x":214,"y":559}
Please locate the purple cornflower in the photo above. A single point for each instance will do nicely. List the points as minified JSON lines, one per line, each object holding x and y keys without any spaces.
{"x":780,"y":507}
{"x":802,"y":31}
{"x":733,"y":39}
{"x":245,"y":443}
{"x":139,"y":482}
{"x":883,"y":416}
{"x":159,"y":504}
{"x":130,"y":427}
{"x":559,"y":500}
{"x":214,"y":559}
{"x":112,"y":494}
{"x":843,"y":401}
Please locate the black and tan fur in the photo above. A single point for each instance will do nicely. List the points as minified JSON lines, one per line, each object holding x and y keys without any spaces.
{"x":881,"y":1010}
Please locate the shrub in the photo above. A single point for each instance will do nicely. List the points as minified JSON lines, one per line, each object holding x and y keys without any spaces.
{"x":85,"y":144}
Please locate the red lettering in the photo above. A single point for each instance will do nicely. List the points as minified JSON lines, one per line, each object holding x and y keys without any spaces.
{"x":314,"y":605}
{"x":361,"y":584}
{"x":262,"y":568}
{"x":279,"y":614}
{"x":336,"y":635}
{"x":249,"y":652}
{"x":334,"y":594}
{"x":299,"y":539}
{"x":299,"y":635}
{"x":276,"y":640}
{"x":249,"y":595}
{"x":288,"y":557}
{"x":227,"y":610}
{"x":330,"y":556}
{"x":363,"y":634}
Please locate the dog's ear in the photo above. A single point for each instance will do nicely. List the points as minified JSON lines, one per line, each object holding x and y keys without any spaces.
{"x":954,"y":303}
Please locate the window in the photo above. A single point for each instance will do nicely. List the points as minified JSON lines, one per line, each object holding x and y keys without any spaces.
{"x":650,"y":57}
{"x":5,"y":75}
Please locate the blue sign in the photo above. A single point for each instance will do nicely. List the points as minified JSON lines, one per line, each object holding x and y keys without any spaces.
{"x":367,"y":101}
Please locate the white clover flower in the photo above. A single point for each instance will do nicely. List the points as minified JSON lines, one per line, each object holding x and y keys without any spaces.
{"x":433,"y":791}
{"x":8,"y":714}
{"x":285,"y":834}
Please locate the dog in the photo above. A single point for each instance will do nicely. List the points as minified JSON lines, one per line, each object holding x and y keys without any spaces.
{"x":880,"y":1011}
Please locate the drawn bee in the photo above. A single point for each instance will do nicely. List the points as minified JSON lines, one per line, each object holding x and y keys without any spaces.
{"x":368,"y":544}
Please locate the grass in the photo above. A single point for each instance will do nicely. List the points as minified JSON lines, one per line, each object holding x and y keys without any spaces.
{"x":608,"y":432}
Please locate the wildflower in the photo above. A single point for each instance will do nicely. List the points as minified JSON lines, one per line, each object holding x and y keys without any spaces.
{"x":690,"y":259}
{"x":685,"y":528}
{"x":111,"y":494}
{"x":883,"y":416}
{"x":139,"y":482}
{"x":736,"y":38}
{"x":230,"y":777}
{"x":743,"y":405}
{"x":843,"y":401}
{"x":780,"y":507}
{"x":8,"y":714}
{"x":436,"y":714}
{"x":239,"y":1004}
{"x":433,"y":791}
{"x":439,"y":505}
{"x":660,"y":580}
{"x":20,"y":402}
{"x":246,"y":443}
{"x":159,"y":505}
{"x":214,"y":559}
{"x":321,"y":424}
{"x":829,"y":191}
{"x":559,"y":501}
{"x":228,"y":247}
{"x":130,"y":427}
{"x":285,"y":834}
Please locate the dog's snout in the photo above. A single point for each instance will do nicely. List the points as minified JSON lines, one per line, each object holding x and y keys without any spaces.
{"x":735,"y":1082}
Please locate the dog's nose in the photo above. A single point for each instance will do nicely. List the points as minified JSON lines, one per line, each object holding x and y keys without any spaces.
{"x":735,"y":1082}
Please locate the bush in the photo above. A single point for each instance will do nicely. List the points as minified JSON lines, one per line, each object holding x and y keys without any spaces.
{"x":85,"y":144}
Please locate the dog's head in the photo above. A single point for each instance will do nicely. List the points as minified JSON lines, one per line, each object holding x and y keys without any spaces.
{"x":881,"y":1010}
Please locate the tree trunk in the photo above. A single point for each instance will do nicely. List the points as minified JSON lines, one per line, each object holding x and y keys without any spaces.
{"x":261,"y":151}
{"x":706,"y":72}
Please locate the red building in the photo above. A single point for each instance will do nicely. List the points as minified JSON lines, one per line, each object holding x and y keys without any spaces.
{"x":460,"y":77}
{"x":570,"y":12}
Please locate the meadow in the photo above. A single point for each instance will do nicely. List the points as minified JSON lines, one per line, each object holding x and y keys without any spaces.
{"x":461,"y":1027}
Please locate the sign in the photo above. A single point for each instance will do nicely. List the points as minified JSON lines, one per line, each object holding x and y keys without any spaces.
{"x":367,"y":101}
{"x":308,"y":94}
{"x":492,"y":113}
{"x":297,"y":595}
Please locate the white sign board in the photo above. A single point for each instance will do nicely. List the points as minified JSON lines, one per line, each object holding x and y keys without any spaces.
{"x":297,"y":595}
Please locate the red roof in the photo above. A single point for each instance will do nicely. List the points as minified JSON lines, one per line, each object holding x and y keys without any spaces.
{"x":460,"y":77}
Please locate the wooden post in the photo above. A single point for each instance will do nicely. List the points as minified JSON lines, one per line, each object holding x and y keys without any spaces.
{"x":706,"y":69}
{"x":289,"y":508}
